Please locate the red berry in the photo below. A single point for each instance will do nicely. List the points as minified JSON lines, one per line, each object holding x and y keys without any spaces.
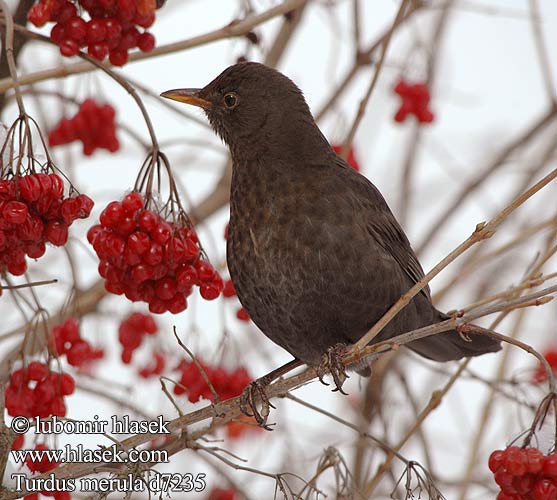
{"x":76,"y":29}
{"x":132,"y":202}
{"x":17,"y":267}
{"x":29,"y":187}
{"x":85,"y":204}
{"x":146,"y":42}
{"x":147,"y":221}
{"x":15,"y":212}
{"x":161,"y":233}
{"x":191,"y":250}
{"x":157,"y":306}
{"x":79,"y":353}
{"x":57,"y":233}
{"x":209,"y":291}
{"x":154,"y":255}
{"x":96,"y":31}
{"x":67,"y":384}
{"x":112,"y":214}
{"x":118,"y":57}
{"x":113,"y":28}
{"x":242,"y":314}
{"x":66,"y":12}
{"x":205,"y":271}
{"x":36,"y":250}
{"x":69,"y":47}
{"x":228,"y":290}
{"x":98,"y":51}
{"x":138,"y":243}
{"x":38,"y":15}
{"x":37,"y":371}
{"x":58,"y":33}
{"x":177,"y":304}
{"x":550,"y":465}
{"x":165,"y":288}
{"x":141,"y":273}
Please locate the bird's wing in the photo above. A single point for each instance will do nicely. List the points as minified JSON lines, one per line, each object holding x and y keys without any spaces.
{"x":382,"y":224}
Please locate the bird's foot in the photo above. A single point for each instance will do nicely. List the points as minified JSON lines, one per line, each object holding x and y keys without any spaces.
{"x":253,"y":394}
{"x":332,"y":363}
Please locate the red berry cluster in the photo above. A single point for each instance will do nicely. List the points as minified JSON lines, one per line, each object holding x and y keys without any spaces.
{"x":351,"y":160}
{"x":149,"y":259}
{"x":42,"y":465}
{"x":539,"y":376}
{"x":524,"y":474}
{"x":113,"y":28}
{"x":68,"y":341}
{"x":415,"y":101}
{"x":33,"y":211}
{"x":57,"y":495}
{"x":155,"y":367}
{"x":131,"y":333}
{"x":228,"y":292}
{"x":222,"y":494}
{"x":93,"y":125}
{"x":35,"y":391}
{"x":226,"y":384}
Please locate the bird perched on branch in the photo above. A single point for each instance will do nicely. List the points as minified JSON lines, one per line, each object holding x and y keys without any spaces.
{"x":315,"y":254}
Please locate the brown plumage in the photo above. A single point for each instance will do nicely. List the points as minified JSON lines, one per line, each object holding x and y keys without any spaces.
{"x":314,"y":252}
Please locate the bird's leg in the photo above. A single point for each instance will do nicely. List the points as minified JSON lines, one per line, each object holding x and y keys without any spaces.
{"x":332,"y":362}
{"x":256,"y":392}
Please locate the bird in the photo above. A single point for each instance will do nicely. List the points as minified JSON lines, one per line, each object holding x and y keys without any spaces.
{"x":315,"y":254}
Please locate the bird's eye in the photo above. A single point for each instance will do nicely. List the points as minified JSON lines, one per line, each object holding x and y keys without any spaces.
{"x":230,"y":100}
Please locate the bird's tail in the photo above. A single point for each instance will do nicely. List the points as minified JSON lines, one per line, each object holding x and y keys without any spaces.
{"x":452,"y":345}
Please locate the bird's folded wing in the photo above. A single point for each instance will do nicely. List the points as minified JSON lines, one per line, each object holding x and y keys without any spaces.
{"x":384,"y":227}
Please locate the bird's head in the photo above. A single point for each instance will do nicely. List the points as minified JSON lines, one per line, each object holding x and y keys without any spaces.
{"x":254,"y":109}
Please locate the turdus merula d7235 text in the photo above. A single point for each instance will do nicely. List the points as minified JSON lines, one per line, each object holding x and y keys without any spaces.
{"x":315,"y":254}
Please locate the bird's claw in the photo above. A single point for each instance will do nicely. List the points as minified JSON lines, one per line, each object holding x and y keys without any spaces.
{"x":332,"y":363}
{"x":256,"y":393}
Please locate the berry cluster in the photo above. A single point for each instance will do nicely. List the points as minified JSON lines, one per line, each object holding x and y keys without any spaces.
{"x":539,"y":376}
{"x":228,"y":292}
{"x":113,"y":27}
{"x":149,"y":259}
{"x":524,"y":474}
{"x":131,"y":332}
{"x":35,"y":391}
{"x":351,"y":160}
{"x":154,"y":368}
{"x":415,"y":101}
{"x":226,"y":384}
{"x":68,"y":341}
{"x":93,"y":125}
{"x":33,"y":211}
{"x":222,"y":494}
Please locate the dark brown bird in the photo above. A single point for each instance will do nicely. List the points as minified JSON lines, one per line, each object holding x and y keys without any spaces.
{"x":314,"y":252}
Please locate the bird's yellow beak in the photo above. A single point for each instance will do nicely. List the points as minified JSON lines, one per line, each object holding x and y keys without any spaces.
{"x":189,"y":96}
